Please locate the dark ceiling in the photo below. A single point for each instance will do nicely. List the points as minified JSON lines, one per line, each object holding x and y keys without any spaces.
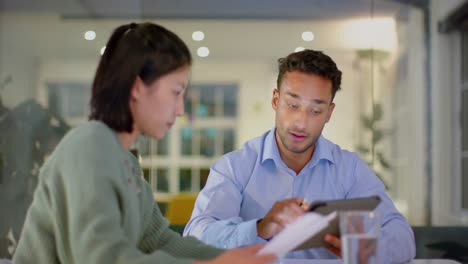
{"x":210,"y":9}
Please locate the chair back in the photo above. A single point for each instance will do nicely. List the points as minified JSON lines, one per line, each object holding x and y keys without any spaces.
{"x":180,"y":207}
{"x":442,"y":242}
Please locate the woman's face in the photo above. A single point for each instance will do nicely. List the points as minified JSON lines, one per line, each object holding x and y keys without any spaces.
{"x":155,"y":107}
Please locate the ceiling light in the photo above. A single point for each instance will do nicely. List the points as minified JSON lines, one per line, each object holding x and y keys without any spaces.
{"x":299,"y":49}
{"x":203,"y":52}
{"x":198,"y":35}
{"x":102,"y":50}
{"x":307,"y":36}
{"x":90,"y":35}
{"x":371,"y":33}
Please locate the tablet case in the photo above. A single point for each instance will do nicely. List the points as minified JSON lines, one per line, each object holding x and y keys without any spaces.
{"x":326,"y":207}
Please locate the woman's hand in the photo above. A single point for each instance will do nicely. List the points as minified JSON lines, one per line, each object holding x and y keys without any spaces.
{"x":246,"y":255}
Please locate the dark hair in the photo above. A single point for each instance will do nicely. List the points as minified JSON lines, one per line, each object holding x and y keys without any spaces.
{"x":146,"y":50}
{"x":311,"y":61}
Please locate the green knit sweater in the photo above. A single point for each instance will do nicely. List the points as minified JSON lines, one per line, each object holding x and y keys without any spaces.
{"x":92,"y":206}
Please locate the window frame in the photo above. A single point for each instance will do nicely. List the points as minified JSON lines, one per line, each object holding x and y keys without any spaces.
{"x":174,"y":160}
{"x":459,"y":87}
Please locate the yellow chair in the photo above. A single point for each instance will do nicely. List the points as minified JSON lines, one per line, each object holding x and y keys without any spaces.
{"x":180,"y":207}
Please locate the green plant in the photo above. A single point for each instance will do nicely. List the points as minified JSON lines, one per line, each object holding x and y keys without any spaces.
{"x":373,"y":153}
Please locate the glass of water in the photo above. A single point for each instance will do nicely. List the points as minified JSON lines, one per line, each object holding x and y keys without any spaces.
{"x":359,"y":236}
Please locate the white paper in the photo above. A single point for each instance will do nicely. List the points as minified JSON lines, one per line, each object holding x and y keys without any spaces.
{"x":296,"y":233}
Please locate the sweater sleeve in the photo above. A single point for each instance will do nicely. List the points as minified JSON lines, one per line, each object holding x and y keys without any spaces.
{"x":95,"y":213}
{"x":37,"y":242}
{"x":158,"y":235}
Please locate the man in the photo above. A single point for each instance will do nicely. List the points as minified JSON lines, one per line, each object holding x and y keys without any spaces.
{"x":252,"y":193}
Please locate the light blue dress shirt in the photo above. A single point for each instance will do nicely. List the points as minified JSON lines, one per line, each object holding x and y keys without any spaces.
{"x":243,"y":185}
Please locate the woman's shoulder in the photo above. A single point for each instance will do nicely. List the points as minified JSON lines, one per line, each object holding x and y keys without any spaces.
{"x":86,"y":151}
{"x":91,"y":141}
{"x":92,"y":134}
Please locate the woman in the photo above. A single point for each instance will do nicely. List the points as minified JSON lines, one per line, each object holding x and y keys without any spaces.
{"x":91,"y":204}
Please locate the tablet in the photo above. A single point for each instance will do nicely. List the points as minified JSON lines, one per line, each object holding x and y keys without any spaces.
{"x":326,"y":207}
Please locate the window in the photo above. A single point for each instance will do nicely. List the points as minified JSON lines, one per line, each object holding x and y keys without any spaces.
{"x":462,"y":112}
{"x":69,"y":100}
{"x":460,"y":97}
{"x":450,"y":123}
{"x":180,"y":162}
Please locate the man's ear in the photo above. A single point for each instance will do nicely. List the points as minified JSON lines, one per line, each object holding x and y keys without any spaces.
{"x":330,"y":111}
{"x":275,"y":98}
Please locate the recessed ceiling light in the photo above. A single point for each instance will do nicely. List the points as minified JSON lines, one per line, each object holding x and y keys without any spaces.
{"x":307,"y":36}
{"x":198,"y":35}
{"x":299,"y":49}
{"x":203,"y":52}
{"x":90,"y":35}
{"x":102,"y":50}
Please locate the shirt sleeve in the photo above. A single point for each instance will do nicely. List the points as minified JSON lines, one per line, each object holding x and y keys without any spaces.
{"x":215,"y":218}
{"x":396,"y":243}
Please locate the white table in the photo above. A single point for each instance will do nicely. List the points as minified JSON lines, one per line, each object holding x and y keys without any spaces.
{"x":336,"y":261}
{"x":328,"y":261}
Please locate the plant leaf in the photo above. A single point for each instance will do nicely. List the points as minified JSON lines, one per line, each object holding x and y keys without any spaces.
{"x":367,"y":122}
{"x":383,"y":161}
{"x":362,"y":149}
{"x":377,"y":136}
{"x":378,"y":112}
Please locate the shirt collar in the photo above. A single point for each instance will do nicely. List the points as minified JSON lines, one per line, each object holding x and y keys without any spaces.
{"x":323,"y":150}
{"x":270,"y":149}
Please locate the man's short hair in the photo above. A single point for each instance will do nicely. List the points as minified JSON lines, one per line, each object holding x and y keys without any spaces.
{"x":313,"y":62}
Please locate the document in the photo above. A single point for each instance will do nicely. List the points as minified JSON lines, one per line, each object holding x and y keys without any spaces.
{"x":294,"y":234}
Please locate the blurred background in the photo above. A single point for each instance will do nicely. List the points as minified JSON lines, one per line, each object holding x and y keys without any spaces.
{"x":403,"y":105}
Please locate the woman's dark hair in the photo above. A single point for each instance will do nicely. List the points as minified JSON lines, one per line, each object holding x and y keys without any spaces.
{"x":311,"y":61}
{"x":145,"y":50}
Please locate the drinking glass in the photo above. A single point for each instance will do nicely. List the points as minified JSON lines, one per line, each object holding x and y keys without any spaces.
{"x":359,"y":236}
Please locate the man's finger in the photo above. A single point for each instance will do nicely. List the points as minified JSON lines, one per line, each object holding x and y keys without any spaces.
{"x":334,"y":250}
{"x":281,"y":219}
{"x":333,"y":240}
{"x":335,"y":244}
{"x":304,"y":205}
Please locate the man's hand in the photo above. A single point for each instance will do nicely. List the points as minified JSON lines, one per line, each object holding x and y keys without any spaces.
{"x":334,"y":244}
{"x":282,"y":213}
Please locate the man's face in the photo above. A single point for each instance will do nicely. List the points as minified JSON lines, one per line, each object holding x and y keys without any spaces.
{"x":303,"y":106}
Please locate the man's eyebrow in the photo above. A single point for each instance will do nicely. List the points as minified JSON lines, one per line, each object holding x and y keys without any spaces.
{"x":319,"y":101}
{"x":293,"y":95}
{"x":296,"y":96}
